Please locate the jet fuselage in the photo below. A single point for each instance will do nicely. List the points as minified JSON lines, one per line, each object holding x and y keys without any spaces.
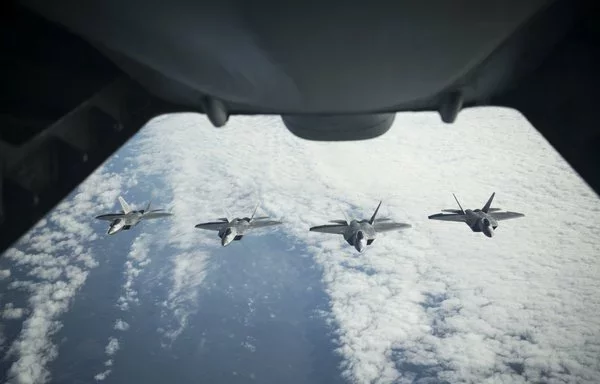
{"x":480,"y":221}
{"x":359,"y":234}
{"x":233,"y":230}
{"x":129,"y":220}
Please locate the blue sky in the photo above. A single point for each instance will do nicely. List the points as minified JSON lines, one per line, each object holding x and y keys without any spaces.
{"x":435,"y":301}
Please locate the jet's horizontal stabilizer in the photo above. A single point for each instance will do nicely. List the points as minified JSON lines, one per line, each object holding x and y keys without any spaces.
{"x":212,"y":226}
{"x":506,"y":215}
{"x":155,"y":214}
{"x":110,"y":216}
{"x":342,"y":222}
{"x":457,"y":211}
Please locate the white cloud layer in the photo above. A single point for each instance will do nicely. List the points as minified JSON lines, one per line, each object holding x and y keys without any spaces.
{"x":180,"y":171}
{"x":56,"y":259}
{"x":436,"y":301}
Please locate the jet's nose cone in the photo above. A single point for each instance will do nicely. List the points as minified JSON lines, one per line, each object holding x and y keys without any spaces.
{"x":360,"y":246}
{"x":489,"y":232}
{"x":226,"y":240}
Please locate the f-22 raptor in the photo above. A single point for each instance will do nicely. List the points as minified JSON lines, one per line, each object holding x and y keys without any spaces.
{"x":237,"y":228}
{"x":360,"y":233}
{"x":129,"y":217}
{"x":479,"y":220}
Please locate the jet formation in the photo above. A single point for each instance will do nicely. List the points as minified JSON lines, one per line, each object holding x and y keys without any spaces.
{"x":357,"y":233}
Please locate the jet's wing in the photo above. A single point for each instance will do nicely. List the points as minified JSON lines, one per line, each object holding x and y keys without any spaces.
{"x":212,"y":226}
{"x":389,"y":226}
{"x":455,"y":211}
{"x":448,"y":217}
{"x":506,"y":215}
{"x":263,"y":223}
{"x":336,"y":229}
{"x":156,"y":215}
{"x":110,"y":216}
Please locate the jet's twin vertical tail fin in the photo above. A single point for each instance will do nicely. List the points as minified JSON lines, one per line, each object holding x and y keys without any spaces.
{"x":126,"y":208}
{"x":487,"y":205}
{"x":255,"y":209}
{"x":462,"y":211}
{"x":344,"y":214}
{"x":375,"y":214}
{"x":148,"y":206}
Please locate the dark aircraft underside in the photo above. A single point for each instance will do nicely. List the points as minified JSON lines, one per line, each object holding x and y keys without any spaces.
{"x":79,"y":79}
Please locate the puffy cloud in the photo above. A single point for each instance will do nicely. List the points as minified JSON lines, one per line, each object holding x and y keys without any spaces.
{"x":121,"y":325}
{"x":102,"y":375}
{"x":10,"y":312}
{"x":4,"y":274}
{"x":112,"y":347}
{"x":137,"y":259}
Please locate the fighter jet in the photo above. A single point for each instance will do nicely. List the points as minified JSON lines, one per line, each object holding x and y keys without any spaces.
{"x":236,"y":229}
{"x":128,"y":217}
{"x":360,"y":233}
{"x":479,"y":220}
